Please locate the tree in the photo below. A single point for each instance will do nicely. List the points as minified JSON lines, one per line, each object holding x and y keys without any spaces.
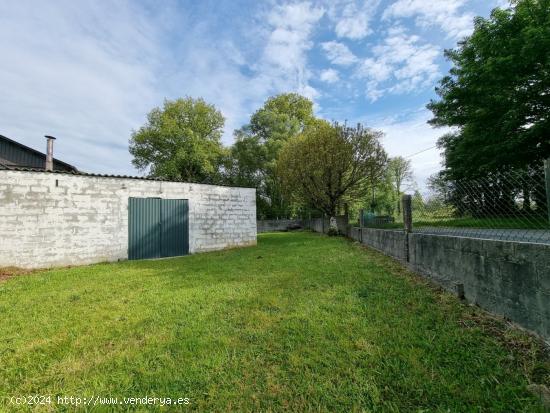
{"x":257,"y":145}
{"x":328,"y":165}
{"x":378,"y":187}
{"x":281,"y":117}
{"x":383,"y":199}
{"x":248,"y":157}
{"x":400,"y":174}
{"x":181,"y":141}
{"x":497,"y":94}
{"x":417,"y":201}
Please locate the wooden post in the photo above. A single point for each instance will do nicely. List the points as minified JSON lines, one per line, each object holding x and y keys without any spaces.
{"x":547,"y":178}
{"x":407,"y":222}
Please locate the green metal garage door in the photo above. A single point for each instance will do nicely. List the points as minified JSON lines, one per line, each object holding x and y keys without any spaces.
{"x":157,"y":228}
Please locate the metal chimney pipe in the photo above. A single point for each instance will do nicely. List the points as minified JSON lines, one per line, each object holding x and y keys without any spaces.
{"x":49,"y":153}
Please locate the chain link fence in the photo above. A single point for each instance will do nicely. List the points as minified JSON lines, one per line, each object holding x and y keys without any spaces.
{"x":511,"y":205}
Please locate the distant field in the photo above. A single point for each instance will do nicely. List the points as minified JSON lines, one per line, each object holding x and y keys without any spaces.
{"x":495,"y":223}
{"x":300,"y":323}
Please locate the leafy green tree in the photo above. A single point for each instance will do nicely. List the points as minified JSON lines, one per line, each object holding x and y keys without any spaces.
{"x":257,"y":145}
{"x":328,"y":165}
{"x":417,"y":201}
{"x":497,"y":94}
{"x":401,"y":177}
{"x":282,"y":117}
{"x":247,"y":159}
{"x":181,"y":141}
{"x":384,"y":201}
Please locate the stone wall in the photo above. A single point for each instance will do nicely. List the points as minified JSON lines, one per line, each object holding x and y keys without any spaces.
{"x":273,"y":225}
{"x":52,"y":219}
{"x":323,"y":224}
{"x":319,"y":225}
{"x":314,"y":224}
{"x":390,"y":242}
{"x":508,"y":278}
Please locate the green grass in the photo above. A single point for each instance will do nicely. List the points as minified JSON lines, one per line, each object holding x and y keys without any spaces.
{"x":300,"y":323}
{"x":497,"y":223}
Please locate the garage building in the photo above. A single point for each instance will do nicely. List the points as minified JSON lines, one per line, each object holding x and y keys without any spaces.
{"x":57,"y":218}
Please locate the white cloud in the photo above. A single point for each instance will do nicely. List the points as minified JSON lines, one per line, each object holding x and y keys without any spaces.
{"x":338,"y":53}
{"x":399,"y":64}
{"x":88,"y":73}
{"x":284,"y":62}
{"x":210,"y":73}
{"x":377,"y":69}
{"x":503,"y":4}
{"x":445,"y":14}
{"x":80,"y":74}
{"x":329,"y":76}
{"x":352,"y":19}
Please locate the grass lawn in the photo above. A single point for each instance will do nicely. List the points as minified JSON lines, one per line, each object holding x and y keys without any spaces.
{"x":300,"y":323}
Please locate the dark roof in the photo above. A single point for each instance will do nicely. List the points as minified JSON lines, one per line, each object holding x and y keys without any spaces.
{"x":94,"y":175}
{"x":16,"y":155}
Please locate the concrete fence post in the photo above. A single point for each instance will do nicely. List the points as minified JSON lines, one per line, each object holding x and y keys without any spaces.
{"x":547,"y":179}
{"x":407,"y":222}
{"x":361,"y":224}
{"x":407,"y":213}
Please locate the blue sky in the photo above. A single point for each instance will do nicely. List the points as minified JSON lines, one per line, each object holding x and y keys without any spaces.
{"x":87,"y":72}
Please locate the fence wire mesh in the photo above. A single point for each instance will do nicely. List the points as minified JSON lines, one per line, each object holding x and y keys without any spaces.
{"x":509,"y":206}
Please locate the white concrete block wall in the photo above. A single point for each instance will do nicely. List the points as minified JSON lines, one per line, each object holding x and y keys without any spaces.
{"x":55,"y":219}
